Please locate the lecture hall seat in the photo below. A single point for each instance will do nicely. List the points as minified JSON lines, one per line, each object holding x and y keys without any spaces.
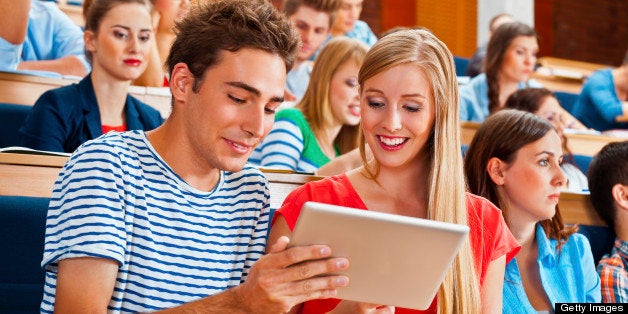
{"x":11,"y":119}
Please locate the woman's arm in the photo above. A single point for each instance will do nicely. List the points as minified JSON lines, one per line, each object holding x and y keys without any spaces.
{"x":492,"y":289}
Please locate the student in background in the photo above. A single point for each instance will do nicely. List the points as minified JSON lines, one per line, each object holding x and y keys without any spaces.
{"x":173,"y":218}
{"x":410,"y":122}
{"x":313,"y":20}
{"x":603,"y":101}
{"x":476,"y":63}
{"x":542,"y":103}
{"x":37,"y":35}
{"x":509,"y":63}
{"x":514,"y":161}
{"x":117,"y":43}
{"x":608,"y":188}
{"x":347,"y":23}
{"x":324,"y":124}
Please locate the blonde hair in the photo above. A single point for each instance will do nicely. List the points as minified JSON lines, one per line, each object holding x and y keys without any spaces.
{"x":315,"y":103}
{"x":459,"y":293}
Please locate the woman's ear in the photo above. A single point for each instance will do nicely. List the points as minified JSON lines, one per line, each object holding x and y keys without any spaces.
{"x":620,"y":195}
{"x":90,"y":41}
{"x":496,"y":170}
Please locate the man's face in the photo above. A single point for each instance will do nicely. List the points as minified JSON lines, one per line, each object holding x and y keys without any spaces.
{"x":234,"y":108}
{"x":313,"y":27}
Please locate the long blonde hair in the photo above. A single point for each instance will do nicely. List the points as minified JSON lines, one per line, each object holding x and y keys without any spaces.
{"x":315,"y":104}
{"x":459,"y":293}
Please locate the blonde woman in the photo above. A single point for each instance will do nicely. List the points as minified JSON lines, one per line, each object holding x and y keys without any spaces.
{"x":324,"y":124}
{"x":410,"y":122}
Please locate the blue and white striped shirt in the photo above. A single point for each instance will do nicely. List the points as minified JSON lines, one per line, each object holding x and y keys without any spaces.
{"x":117,"y":199}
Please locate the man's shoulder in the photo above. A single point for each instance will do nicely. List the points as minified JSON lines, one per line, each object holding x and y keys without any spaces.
{"x":117,"y":145}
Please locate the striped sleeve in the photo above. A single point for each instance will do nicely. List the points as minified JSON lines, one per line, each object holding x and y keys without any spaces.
{"x":283,"y":146}
{"x":86,"y":212}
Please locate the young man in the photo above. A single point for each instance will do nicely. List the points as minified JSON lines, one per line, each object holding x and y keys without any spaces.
{"x":173,"y":219}
{"x":608,"y":187}
{"x":313,"y":20}
{"x":37,"y":35}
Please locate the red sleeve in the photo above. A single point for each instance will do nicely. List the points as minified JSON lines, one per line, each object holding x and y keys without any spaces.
{"x":490,"y":236}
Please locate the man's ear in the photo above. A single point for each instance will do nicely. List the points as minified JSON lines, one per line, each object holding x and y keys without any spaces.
{"x":181,"y":80}
{"x":496,"y":170}
{"x":620,"y":195}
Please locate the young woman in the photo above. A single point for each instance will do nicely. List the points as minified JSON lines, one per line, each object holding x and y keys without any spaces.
{"x":544,"y":104}
{"x":410,"y":121}
{"x":118,"y":34}
{"x":508,"y":65}
{"x":324,"y":124}
{"x":514,"y":161}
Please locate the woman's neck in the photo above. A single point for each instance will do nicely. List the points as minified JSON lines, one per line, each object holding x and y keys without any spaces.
{"x":506,"y":88}
{"x":111,"y":97}
{"x":326,"y":138}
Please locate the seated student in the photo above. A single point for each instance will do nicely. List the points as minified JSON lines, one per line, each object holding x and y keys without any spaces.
{"x":544,"y":104}
{"x":509,"y":63}
{"x":347,"y":23}
{"x":476,"y":62}
{"x":324,"y":124}
{"x":313,"y":20}
{"x":173,"y":218}
{"x":37,"y":35}
{"x":118,"y":35}
{"x":514,"y":161}
{"x":410,"y":122}
{"x":604,"y":99}
{"x":608,"y":188}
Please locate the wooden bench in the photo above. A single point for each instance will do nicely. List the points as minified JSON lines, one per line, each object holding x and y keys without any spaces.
{"x":23,"y":89}
{"x":564,"y":75}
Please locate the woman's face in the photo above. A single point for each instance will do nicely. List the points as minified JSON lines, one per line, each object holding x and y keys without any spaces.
{"x":346,"y":16}
{"x":533,"y":181}
{"x":551,"y":111}
{"x":124,"y":38}
{"x":519,"y":59}
{"x":343,"y":94}
{"x":398,"y":114}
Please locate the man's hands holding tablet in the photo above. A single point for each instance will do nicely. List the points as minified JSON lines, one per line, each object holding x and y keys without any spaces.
{"x":285,"y":277}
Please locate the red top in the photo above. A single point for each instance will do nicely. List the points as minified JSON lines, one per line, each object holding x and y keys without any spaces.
{"x":489,"y":235}
{"x":118,"y":128}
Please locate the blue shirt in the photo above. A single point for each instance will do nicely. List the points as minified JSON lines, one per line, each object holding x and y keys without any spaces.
{"x":51,"y":35}
{"x":117,"y":199}
{"x":568,"y":276}
{"x":298,"y":79}
{"x":598,"y":104}
{"x":361,"y":31}
{"x":474,"y":98}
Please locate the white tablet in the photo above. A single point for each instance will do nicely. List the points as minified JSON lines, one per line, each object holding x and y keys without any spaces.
{"x":393,"y":260}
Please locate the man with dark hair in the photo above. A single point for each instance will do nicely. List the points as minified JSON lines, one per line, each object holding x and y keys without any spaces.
{"x":608,"y":188}
{"x":312,"y":20}
{"x":173,"y":218}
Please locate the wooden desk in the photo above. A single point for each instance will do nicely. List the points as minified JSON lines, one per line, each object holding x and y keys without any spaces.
{"x":577,"y":209}
{"x":74,"y":12}
{"x":580,"y":144}
{"x":23,"y":89}
{"x":585,"y":68}
{"x":283,"y":182}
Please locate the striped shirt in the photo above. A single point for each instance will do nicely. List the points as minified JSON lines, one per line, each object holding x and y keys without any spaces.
{"x":613,"y":275}
{"x":117,"y":199}
{"x":290,"y":145}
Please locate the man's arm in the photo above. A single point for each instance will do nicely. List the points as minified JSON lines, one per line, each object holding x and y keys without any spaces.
{"x":277,"y":282}
{"x":14,"y":20}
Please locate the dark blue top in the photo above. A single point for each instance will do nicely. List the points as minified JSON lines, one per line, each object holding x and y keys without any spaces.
{"x":64,"y":118}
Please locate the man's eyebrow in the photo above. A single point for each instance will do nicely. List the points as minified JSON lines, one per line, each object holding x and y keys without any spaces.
{"x":253,"y":90}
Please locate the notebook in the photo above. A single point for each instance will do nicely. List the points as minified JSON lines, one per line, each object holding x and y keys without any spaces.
{"x":394,"y":260}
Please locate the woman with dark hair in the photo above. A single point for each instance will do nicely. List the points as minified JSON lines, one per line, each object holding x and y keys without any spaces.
{"x":509,"y":63}
{"x":514,"y":161}
{"x":541,"y":102}
{"x":118,"y":36}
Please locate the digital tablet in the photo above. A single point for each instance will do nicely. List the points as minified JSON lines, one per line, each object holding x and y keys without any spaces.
{"x":393,"y":259}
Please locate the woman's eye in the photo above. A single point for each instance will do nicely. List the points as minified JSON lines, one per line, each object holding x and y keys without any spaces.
{"x":351,"y":82}
{"x":145,"y":38}
{"x":375,"y":103}
{"x":118,"y":34}
{"x":544,"y":162}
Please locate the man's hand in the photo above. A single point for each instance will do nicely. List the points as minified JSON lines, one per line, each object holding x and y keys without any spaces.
{"x":286,"y":277}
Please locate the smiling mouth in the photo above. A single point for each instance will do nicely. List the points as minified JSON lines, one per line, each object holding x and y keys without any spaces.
{"x":392,"y":142}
